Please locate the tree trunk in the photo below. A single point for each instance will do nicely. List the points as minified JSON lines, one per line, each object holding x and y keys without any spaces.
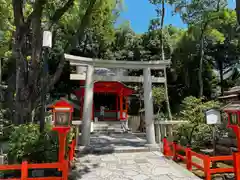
{"x":220,"y":66}
{"x":163,"y":58}
{"x":200,"y":80}
{"x":191,"y":135}
{"x":28,"y":74}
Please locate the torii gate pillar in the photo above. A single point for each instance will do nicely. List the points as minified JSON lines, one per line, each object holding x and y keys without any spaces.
{"x":87,"y":107}
{"x":148,"y":105}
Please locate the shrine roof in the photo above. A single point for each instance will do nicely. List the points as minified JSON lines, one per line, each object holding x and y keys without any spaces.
{"x":233,"y":90}
{"x":234,"y":106}
{"x":108,"y":87}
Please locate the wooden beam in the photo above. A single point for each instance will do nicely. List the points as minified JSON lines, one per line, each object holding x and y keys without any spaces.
{"x":79,"y":61}
{"x":117,"y":78}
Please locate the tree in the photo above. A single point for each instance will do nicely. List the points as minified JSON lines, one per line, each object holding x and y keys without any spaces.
{"x":199,"y":14}
{"x":223,"y":42}
{"x":238,"y":11}
{"x":27,"y":43}
{"x":158,"y":94}
{"x":160,"y":9}
{"x":30,"y":19}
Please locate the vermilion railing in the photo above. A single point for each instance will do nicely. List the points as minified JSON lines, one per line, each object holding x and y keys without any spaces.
{"x":171,"y":149}
{"x":61,"y":166}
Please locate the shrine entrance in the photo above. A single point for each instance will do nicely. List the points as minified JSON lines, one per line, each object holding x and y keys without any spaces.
{"x":113,"y":96}
{"x":90,"y":87}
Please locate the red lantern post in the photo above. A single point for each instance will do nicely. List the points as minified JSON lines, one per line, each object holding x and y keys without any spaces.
{"x":62,"y":115}
{"x":234,"y":122}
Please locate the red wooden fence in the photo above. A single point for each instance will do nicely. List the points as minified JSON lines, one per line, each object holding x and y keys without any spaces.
{"x":61,"y":166}
{"x":171,"y":149}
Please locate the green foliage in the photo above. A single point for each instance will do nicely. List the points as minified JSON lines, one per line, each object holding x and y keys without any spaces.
{"x":195,"y":132}
{"x":6,"y":27}
{"x":6,"y":126}
{"x":158,"y":94}
{"x":193,"y":109}
{"x":27,"y":143}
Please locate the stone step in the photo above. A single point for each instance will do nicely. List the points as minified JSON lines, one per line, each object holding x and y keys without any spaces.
{"x":112,"y":149}
{"x":107,"y":127}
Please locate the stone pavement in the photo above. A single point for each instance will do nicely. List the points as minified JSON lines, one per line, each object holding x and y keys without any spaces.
{"x":129,"y":166}
{"x":115,"y":143}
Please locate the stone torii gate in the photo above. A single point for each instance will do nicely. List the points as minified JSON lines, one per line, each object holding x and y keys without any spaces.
{"x":89,"y":78}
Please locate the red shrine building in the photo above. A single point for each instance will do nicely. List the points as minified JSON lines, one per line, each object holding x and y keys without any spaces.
{"x":113,"y":96}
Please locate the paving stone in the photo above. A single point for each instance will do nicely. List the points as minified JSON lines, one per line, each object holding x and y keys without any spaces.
{"x":161,"y":171}
{"x":109,"y":158}
{"x":145,"y":170}
{"x":130,"y":173}
{"x":140,"y":177}
{"x":128,"y":162}
{"x":104,"y":173}
{"x":160,"y":177}
{"x":131,"y":166}
{"x":141,"y":161}
{"x":127,"y":166}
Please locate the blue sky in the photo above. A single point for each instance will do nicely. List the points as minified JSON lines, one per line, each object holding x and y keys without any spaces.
{"x":140,"y":12}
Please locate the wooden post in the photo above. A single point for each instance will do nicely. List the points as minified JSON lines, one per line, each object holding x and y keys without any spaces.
{"x":189,"y":158}
{"x":207,"y":164}
{"x":236,"y":161}
{"x":24,"y":170}
{"x":174,"y":150}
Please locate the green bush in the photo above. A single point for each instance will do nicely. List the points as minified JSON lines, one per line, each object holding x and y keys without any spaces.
{"x":27,"y":143}
{"x":195,"y":132}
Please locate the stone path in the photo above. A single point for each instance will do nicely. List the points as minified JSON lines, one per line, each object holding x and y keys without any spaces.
{"x":129,"y":166}
{"x":115,"y":143}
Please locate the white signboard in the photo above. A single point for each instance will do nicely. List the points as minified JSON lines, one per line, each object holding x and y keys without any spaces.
{"x":213,"y":116}
{"x":47,"y":39}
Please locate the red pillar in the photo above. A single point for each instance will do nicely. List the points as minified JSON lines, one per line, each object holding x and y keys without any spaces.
{"x":236,"y":130}
{"x":121,"y":106}
{"x":81,"y":103}
{"x":117,"y":105}
{"x":72,"y":150}
{"x":65,"y":170}
{"x":126,"y":102}
{"x":62,"y":145}
{"x":93,"y":111}
{"x":236,"y":161}
{"x":207,"y":163}
{"x":189,"y":158}
{"x":24,"y":170}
